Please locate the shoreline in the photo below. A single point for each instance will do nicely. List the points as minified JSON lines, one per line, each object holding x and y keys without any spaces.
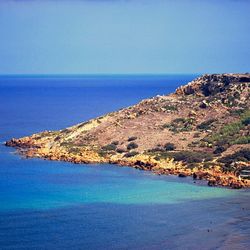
{"x":140,"y":162}
{"x":200,"y":130}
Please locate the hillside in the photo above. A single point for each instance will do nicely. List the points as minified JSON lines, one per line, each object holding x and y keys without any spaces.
{"x":203,"y":129}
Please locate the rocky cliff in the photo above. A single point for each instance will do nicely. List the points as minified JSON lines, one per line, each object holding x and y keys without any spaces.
{"x":203,"y":129}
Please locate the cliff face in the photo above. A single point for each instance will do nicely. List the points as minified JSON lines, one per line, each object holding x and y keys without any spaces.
{"x":201,"y":128}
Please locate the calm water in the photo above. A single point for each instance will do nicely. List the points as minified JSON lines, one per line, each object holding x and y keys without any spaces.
{"x":57,"y":205}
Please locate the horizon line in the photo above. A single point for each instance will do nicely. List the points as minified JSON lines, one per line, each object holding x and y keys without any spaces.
{"x":95,"y":74}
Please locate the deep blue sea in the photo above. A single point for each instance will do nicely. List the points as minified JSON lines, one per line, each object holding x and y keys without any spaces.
{"x":58,"y":205}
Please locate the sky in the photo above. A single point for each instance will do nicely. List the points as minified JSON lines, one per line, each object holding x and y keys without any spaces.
{"x":124,"y":36}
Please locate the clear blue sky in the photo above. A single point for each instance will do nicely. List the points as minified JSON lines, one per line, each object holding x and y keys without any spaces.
{"x":119,"y":36}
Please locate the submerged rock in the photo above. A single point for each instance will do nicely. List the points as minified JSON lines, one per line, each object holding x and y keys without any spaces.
{"x":182,"y":175}
{"x":212,"y":183}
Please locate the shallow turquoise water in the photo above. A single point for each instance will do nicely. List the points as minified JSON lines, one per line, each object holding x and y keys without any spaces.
{"x":59,"y":205}
{"x":45,"y":204}
{"x":39,"y":184}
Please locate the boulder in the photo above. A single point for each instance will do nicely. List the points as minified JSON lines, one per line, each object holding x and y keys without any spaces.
{"x":182,"y":175}
{"x":204,"y":104}
{"x":236,"y":185}
{"x":212,"y":183}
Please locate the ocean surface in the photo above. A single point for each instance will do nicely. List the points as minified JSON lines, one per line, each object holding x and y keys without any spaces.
{"x":58,"y":205}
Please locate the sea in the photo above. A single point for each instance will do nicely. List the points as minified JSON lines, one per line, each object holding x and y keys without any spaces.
{"x":57,"y":205}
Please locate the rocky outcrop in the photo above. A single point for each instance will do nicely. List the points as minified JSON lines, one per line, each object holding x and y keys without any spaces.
{"x":212,"y":84}
{"x":200,"y":131}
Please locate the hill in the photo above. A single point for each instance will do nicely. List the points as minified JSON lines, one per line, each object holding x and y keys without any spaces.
{"x":203,"y":130}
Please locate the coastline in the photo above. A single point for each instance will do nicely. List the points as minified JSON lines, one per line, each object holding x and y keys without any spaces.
{"x":200,"y":130}
{"x":141,"y":162}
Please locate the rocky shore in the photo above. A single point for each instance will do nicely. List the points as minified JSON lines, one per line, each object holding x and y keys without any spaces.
{"x":142,"y":162}
{"x":202,"y":130}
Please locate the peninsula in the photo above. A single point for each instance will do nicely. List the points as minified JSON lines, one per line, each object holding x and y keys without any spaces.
{"x":200,"y":130}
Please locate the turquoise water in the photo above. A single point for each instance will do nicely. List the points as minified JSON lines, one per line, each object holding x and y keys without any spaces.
{"x":39,"y":184}
{"x":60,"y":205}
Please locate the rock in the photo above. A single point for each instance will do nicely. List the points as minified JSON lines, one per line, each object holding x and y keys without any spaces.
{"x":236,"y":185}
{"x":204,"y":104}
{"x":202,"y":175}
{"x":182,"y":175}
{"x":212,"y":183}
{"x":192,"y":113}
{"x":195,"y":176}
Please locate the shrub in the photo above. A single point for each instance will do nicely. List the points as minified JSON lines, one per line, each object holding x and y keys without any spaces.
{"x":192,"y":157}
{"x":236,"y":95}
{"x":188,"y":156}
{"x":242,"y":155}
{"x":242,"y":140}
{"x":169,"y":146}
{"x":179,"y":120}
{"x":224,"y":142}
{"x":194,"y":143}
{"x":192,"y":165}
{"x":102,"y":153}
{"x":67,"y":144}
{"x":156,"y":149}
{"x":219,"y":150}
{"x":180,"y":124}
{"x":57,"y":138}
{"x":131,"y":154}
{"x":196,"y":135}
{"x":227,"y":168}
{"x":245,"y":116}
{"x":244,"y":79}
{"x":66,"y":131}
{"x":246,"y":121}
{"x":120,"y":150}
{"x":170,"y":107}
{"x":166,"y":125}
{"x":230,"y":134}
{"x":132,"y":145}
{"x":115,"y":142}
{"x":157,"y":158}
{"x":236,"y":112}
{"x":74,"y":150}
{"x":206,"y":124}
{"x":109,"y":147}
{"x":132,"y":138}
{"x":231,"y":129}
{"x":231,"y":101}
